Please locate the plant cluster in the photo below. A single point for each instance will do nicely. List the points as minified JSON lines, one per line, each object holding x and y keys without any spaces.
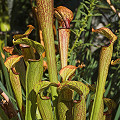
{"x":67,"y":72}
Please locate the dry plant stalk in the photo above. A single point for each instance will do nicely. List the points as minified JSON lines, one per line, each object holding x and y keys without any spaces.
{"x":7,"y":106}
{"x":113,"y":8}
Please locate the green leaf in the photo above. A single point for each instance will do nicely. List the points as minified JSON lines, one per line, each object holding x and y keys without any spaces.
{"x":42,"y":85}
{"x":87,"y":8}
{"x":5,"y":72}
{"x":97,"y":14}
{"x":67,"y":71}
{"x":101,"y":115}
{"x":11,"y":61}
{"x":65,"y":103}
{"x":33,"y":76}
{"x":75,"y":31}
{"x":107,"y":33}
{"x":25,"y":34}
{"x":45,"y":108}
{"x":28,"y":52}
{"x":83,"y":13}
{"x":87,"y":2}
{"x":14,"y":79}
{"x":47,"y":31}
{"x":16,"y":85}
{"x":104,"y":62}
{"x":79,"y":110}
{"x":39,"y":48}
{"x":79,"y":87}
{"x":21,"y":69}
{"x":117,"y":116}
{"x":101,"y":110}
{"x":62,"y":110}
{"x":29,"y":30}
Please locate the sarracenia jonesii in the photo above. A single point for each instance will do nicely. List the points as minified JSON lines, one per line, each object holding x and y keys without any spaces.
{"x":45,"y":14}
{"x":104,"y":62}
{"x":64,"y":16}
